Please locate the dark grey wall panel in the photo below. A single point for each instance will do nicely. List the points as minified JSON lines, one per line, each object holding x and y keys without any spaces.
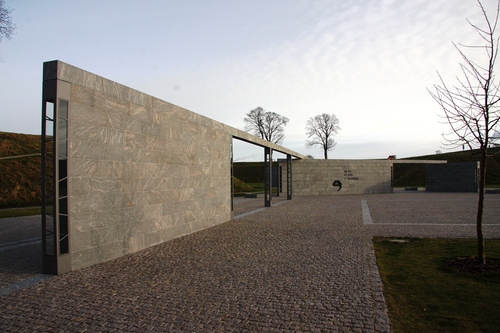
{"x":452,"y":177}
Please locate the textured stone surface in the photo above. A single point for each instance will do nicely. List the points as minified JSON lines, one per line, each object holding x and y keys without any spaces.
{"x":134,"y":164}
{"x":281,"y":269}
{"x":304,"y":265}
{"x":315,"y":177}
{"x":428,"y":214}
{"x":141,"y":171}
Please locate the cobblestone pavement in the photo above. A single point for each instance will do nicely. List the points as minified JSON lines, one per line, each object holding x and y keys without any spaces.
{"x":424,"y":214}
{"x":306,"y":265}
{"x":246,"y":206}
{"x":20,"y":249}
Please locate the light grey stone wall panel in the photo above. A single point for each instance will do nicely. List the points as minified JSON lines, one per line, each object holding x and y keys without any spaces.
{"x":141,"y":171}
{"x":315,"y":177}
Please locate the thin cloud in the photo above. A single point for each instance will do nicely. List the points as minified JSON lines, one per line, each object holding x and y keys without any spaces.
{"x":368,"y":62}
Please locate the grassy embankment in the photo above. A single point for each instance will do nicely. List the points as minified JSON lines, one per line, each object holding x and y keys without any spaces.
{"x":425,"y":293}
{"x":20,"y":183}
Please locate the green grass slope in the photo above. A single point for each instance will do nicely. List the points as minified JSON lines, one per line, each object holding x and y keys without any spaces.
{"x":249,"y":172}
{"x":19,"y":177}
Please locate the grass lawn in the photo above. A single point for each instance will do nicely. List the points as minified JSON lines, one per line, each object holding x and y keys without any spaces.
{"x":15,"y":212}
{"x":425,"y":295}
{"x":260,"y":187}
{"x":257,"y":187}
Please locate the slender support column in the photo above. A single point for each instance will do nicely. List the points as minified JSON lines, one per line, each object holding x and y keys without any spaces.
{"x":279,"y":179}
{"x":56,"y":256}
{"x":268,"y":186}
{"x":289,"y":177}
{"x":232,"y":182}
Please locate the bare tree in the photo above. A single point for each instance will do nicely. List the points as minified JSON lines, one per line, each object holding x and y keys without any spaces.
{"x":6,"y":26}
{"x":267,"y":125}
{"x":321,"y":129}
{"x":471,"y":106}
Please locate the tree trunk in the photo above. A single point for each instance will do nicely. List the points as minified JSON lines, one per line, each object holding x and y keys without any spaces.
{"x":481,"y":254}
{"x":326,"y":153}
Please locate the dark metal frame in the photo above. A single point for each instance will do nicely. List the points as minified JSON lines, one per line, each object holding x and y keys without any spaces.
{"x":268,"y":186}
{"x":289,"y":177}
{"x":232,"y":181}
{"x":54,"y":173}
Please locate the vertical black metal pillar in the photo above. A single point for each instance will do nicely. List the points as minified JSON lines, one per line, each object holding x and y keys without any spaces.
{"x":289,"y":177}
{"x":232,"y":181}
{"x":268,"y":186}
{"x":279,"y":179}
{"x":54,"y":169}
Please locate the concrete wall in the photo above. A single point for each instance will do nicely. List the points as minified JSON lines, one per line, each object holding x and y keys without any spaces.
{"x":315,"y":177}
{"x":452,"y":177}
{"x":141,"y":171}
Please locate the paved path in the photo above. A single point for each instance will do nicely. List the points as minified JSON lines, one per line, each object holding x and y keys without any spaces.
{"x":20,"y":249}
{"x":303,"y":266}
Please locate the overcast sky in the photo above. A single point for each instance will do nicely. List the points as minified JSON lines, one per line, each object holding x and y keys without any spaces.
{"x":369,"y":62}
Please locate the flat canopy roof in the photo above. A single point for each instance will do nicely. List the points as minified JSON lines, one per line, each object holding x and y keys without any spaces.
{"x":252,"y":139}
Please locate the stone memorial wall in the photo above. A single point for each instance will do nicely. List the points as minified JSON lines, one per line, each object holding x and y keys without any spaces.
{"x":124,"y":170}
{"x":317,"y":177}
{"x":132,"y":170}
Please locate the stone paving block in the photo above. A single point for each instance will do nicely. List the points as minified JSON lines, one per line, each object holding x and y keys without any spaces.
{"x":305,"y":265}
